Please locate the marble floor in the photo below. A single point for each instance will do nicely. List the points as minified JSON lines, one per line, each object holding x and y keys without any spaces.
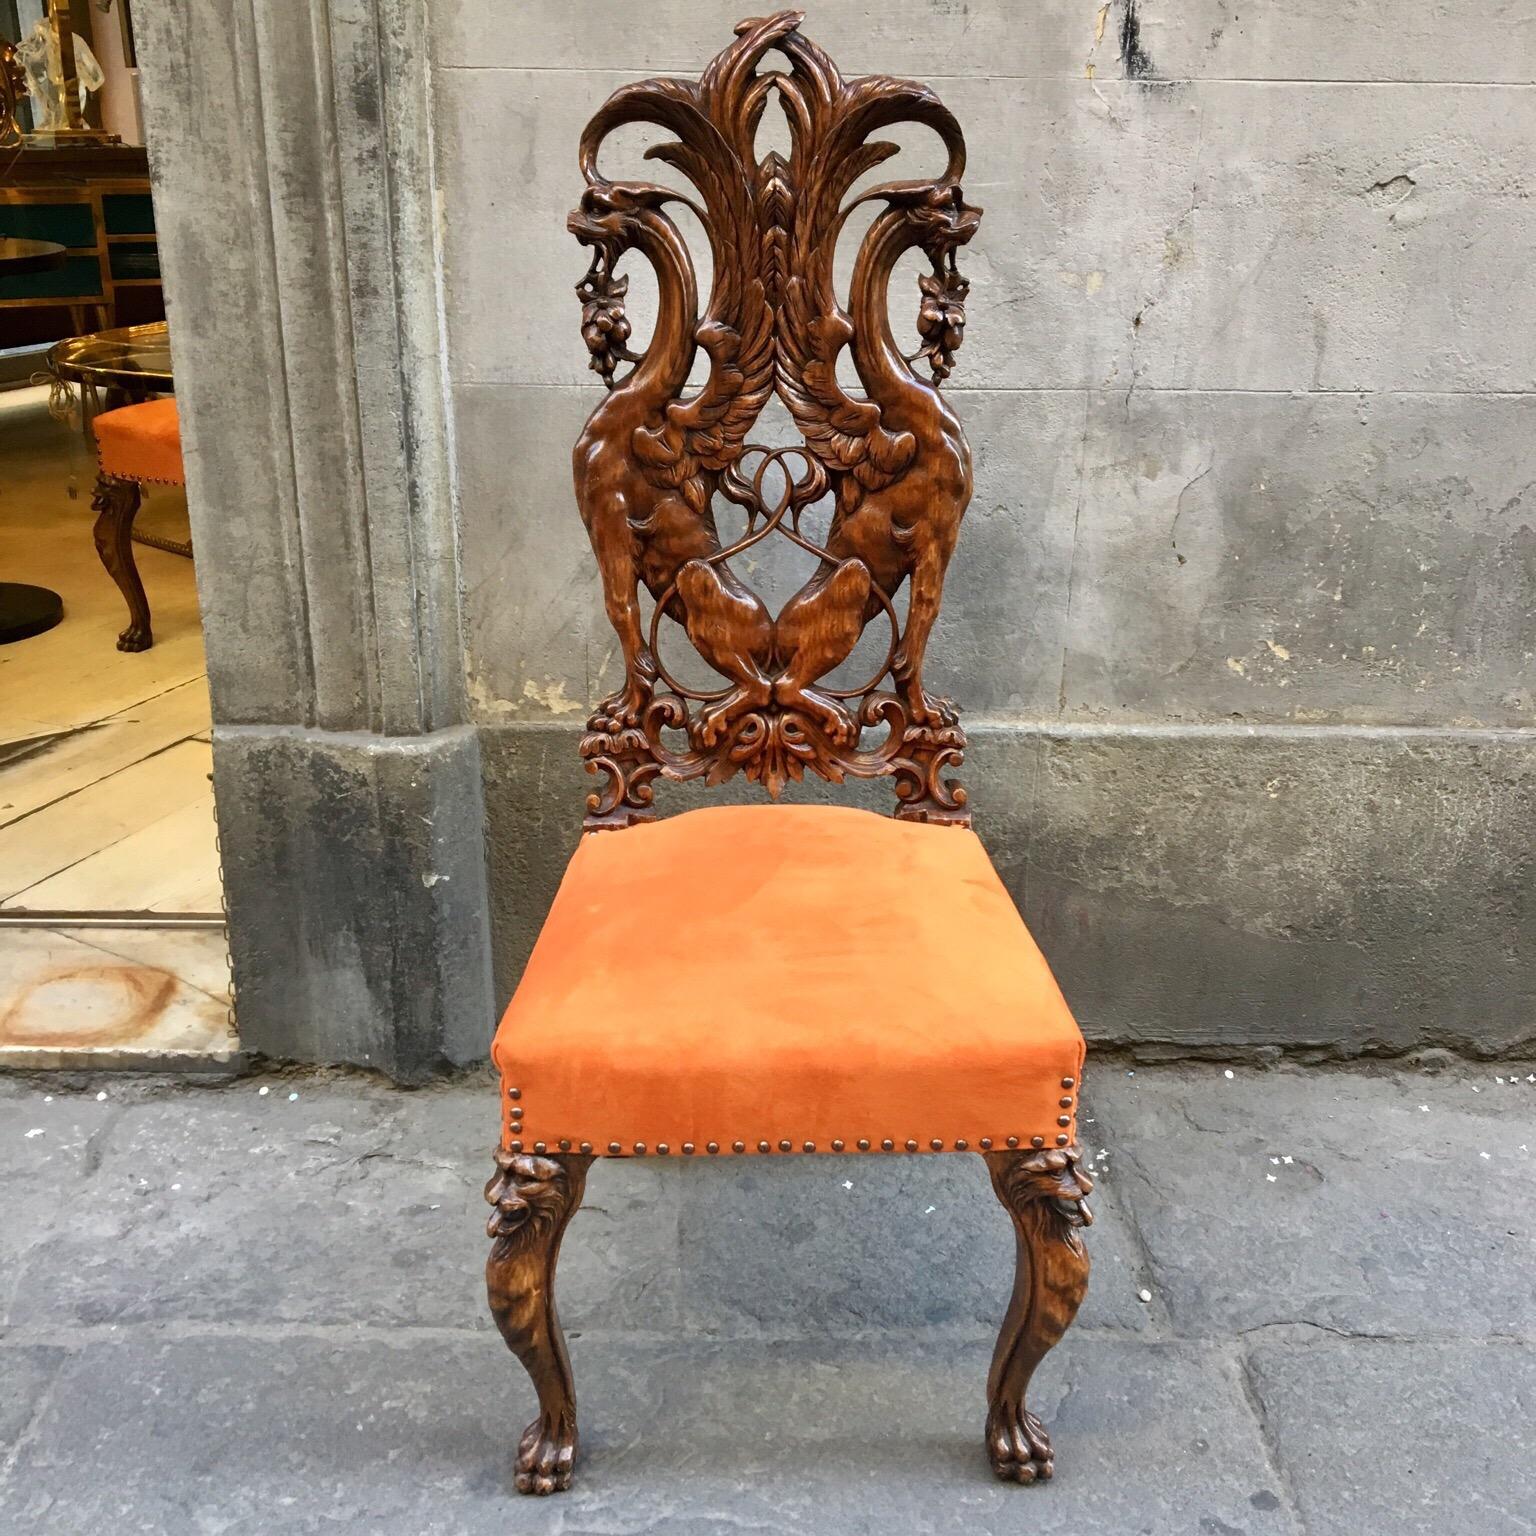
{"x":106,"y":805}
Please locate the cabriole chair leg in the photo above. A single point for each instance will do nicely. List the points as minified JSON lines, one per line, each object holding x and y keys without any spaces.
{"x":1044,"y":1194}
{"x":116,"y":504}
{"x":534,"y":1198}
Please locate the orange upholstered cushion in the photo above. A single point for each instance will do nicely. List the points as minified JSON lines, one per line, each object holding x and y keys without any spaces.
{"x":771,"y":975}
{"x":141,"y":442}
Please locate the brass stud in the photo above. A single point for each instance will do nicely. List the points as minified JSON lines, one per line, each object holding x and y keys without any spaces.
{"x":565,"y":1145}
{"x":1068,"y":1082}
{"x":1037,"y":1141}
{"x":837,"y":1146}
{"x":1013,"y":1141}
{"x":911,"y":1145}
{"x":961,"y":1145}
{"x":538,"y":1146}
{"x":763,"y":1146}
{"x":1061,"y":1141}
{"x":888,"y":1145}
{"x":936,"y":1144}
{"x":784,"y":1146}
{"x":640,"y":1147}
{"x":1063,"y":1119}
{"x":1066,"y":1103}
{"x":586,"y":1146}
{"x":514,"y":1093}
{"x":738,"y":1146}
{"x":614,"y":1148}
{"x":810,"y":1146}
{"x":687,"y":1149}
{"x":863,"y":1144}
{"x":517,"y":1146}
{"x":714,"y":1146}
{"x":986,"y":1143}
{"x":661,"y":1149}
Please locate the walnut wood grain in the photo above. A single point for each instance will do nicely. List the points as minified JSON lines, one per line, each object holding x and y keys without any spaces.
{"x":116,"y":504}
{"x":655,"y":457}
{"x":534,"y":1198}
{"x":1044,"y":1192}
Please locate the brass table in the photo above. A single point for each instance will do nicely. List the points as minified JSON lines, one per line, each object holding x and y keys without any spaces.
{"x":130,"y":363}
{"x":18,"y":256}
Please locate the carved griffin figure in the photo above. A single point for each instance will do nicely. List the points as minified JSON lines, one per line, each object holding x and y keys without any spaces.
{"x":654,"y":456}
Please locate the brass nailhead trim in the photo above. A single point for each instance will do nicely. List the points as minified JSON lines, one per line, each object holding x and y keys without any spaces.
{"x":1066,"y":1103}
{"x":1063,"y":1119}
{"x":538,"y":1146}
{"x":1068,"y":1082}
{"x":514,"y":1093}
{"x":517,"y":1146}
{"x":688,"y":1148}
{"x":565,"y":1146}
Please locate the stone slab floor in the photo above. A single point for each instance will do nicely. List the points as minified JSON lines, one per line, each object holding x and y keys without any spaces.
{"x":256,"y":1307}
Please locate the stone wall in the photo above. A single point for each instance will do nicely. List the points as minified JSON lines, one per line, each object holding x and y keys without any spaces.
{"x":1245,"y":610}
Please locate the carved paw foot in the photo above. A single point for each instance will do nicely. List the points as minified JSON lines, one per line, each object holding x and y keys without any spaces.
{"x":622,"y":712}
{"x":716,"y":722}
{"x":835,"y":721}
{"x":135,"y":638}
{"x":1017,"y":1445}
{"x":546,"y":1456}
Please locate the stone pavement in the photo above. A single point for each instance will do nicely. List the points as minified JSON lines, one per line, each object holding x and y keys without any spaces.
{"x":256,"y":1307}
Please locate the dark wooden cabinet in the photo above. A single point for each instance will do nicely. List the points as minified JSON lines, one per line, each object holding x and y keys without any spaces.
{"x":95,"y":201}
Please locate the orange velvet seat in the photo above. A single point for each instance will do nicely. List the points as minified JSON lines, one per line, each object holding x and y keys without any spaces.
{"x":785,"y":978}
{"x":141,"y":442}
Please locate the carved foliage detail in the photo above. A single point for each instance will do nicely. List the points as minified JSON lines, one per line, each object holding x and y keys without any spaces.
{"x":655,"y":454}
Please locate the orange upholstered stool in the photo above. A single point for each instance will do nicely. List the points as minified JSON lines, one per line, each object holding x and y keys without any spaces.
{"x":767,"y":979}
{"x":135,"y":445}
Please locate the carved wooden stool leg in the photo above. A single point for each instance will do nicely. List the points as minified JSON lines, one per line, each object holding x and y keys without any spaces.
{"x":1043,"y":1192}
{"x":534,"y":1198}
{"x":116,"y":504}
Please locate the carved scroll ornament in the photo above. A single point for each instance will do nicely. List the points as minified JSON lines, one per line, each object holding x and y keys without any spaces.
{"x":654,"y":456}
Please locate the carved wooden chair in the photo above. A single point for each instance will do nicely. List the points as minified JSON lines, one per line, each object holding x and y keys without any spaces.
{"x":764,"y":980}
{"x":136,"y":445}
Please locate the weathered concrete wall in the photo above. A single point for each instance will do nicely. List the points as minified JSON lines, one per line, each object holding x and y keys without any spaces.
{"x":290,"y":149}
{"x":1246,"y":605}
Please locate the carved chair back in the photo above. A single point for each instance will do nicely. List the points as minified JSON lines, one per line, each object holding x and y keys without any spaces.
{"x":891,"y":458}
